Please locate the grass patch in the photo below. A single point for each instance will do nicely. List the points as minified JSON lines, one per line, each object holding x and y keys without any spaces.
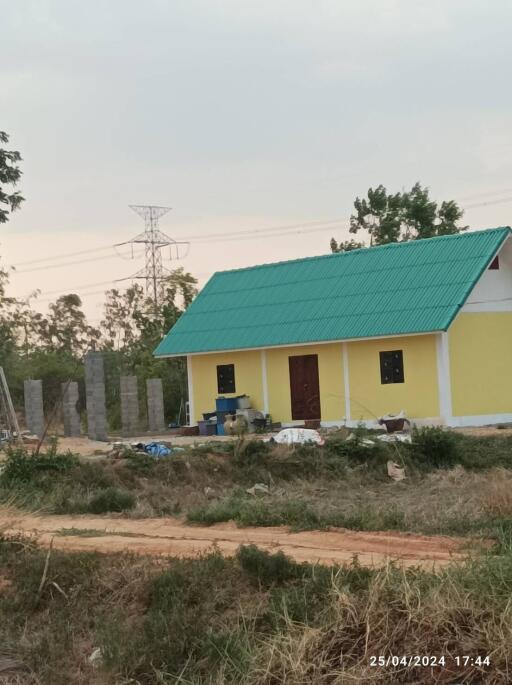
{"x":111,"y":500}
{"x":343,"y":484}
{"x":255,"y":618}
{"x":82,"y":532}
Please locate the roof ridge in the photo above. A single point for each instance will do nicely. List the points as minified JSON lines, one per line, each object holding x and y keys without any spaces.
{"x":340,"y":255}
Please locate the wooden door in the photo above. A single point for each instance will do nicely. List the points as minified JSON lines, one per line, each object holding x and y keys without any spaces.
{"x":304,"y":387}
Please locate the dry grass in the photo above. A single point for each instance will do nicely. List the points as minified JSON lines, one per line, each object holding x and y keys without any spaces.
{"x":496,"y":494}
{"x":256,"y":620}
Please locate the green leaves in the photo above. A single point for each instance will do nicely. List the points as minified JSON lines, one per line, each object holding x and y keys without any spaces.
{"x":403,"y":216}
{"x":10,"y":174}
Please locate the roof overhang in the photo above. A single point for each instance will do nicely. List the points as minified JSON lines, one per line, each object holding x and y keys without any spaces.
{"x":301,"y":344}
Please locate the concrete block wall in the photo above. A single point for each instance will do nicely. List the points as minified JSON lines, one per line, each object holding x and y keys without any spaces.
{"x":70,"y":415}
{"x":155,"y":398}
{"x":34,"y":412}
{"x":130,"y":424}
{"x":95,"y":396}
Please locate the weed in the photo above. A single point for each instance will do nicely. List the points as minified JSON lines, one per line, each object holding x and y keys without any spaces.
{"x":21,"y":467}
{"x":267,"y":568}
{"x":434,"y":447}
{"x":82,"y":532}
{"x":111,"y":500}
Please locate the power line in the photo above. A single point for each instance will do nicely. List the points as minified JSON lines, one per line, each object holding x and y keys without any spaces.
{"x":74,"y":289}
{"x":66,"y":254}
{"x":208,"y":236}
{"x":63,"y":264}
{"x":489,"y":202}
{"x":204,"y":238}
{"x":198,"y":237}
{"x":485,"y":194}
{"x":275,"y":234}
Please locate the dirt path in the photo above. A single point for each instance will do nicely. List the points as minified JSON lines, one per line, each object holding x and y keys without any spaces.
{"x":167,"y":536}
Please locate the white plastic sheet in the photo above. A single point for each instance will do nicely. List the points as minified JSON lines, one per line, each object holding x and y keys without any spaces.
{"x":300,"y":436}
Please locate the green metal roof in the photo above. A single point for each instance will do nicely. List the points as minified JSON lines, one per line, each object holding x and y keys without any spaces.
{"x":400,"y":288}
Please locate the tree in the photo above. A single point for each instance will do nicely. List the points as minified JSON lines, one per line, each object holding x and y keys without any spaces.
{"x":10,"y":174}
{"x":412,"y":215}
{"x":133,"y":326}
{"x":346,"y":246}
{"x":66,"y":329}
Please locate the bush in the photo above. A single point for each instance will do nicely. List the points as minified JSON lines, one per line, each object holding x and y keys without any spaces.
{"x":267,"y":568}
{"x":21,"y":467}
{"x":357,"y":452}
{"x":435,"y":447}
{"x":111,"y":500}
{"x":250,"y":452}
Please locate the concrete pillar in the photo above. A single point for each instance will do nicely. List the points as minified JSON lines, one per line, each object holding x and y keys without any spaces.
{"x":34,"y":413}
{"x":155,"y":393}
{"x":95,"y":396}
{"x":129,"y":405}
{"x":70,"y":414}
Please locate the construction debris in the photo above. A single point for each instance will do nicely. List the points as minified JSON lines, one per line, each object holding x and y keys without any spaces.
{"x":395,"y":437}
{"x":395,"y":422}
{"x":300,"y":436}
{"x":395,"y":471}
{"x":366,"y":442}
{"x":258,"y":489}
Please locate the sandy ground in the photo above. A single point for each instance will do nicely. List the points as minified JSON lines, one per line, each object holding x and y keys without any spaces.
{"x":167,"y":536}
{"x":85,"y":447}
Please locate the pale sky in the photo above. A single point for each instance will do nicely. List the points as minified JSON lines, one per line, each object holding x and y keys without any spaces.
{"x":242,"y":114}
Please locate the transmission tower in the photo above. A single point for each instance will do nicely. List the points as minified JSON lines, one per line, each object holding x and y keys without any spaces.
{"x":154,"y":241}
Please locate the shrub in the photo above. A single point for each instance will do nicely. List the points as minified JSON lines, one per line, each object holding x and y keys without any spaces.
{"x":267,"y":568}
{"x":356,"y":451}
{"x":251,"y":451}
{"x":21,"y":467}
{"x":434,"y":447}
{"x":111,"y":499}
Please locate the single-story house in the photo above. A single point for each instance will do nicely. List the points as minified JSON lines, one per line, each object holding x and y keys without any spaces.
{"x":424,"y":326}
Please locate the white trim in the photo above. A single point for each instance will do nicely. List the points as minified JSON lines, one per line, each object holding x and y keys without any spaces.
{"x":443,"y":377}
{"x":310,"y":343}
{"x":373,"y":423}
{"x":264,"y":381}
{"x":494,"y":280}
{"x":346,"y":382}
{"x":190,"y":382}
{"x":479,"y":420}
{"x":455,"y":421}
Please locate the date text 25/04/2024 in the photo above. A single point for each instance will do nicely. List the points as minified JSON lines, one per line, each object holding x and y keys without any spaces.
{"x":426,"y":660}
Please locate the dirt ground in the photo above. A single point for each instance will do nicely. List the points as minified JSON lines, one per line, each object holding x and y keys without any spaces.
{"x":167,"y":536}
{"x":85,"y":447}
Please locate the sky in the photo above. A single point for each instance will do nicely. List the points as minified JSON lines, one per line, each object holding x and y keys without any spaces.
{"x":242,"y":116}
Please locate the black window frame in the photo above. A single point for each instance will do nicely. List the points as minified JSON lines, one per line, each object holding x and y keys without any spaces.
{"x":391,"y":367}
{"x":226,"y":379}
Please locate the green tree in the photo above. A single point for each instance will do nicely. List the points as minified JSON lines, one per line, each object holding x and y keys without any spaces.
{"x":133,"y":326}
{"x":391,"y":218}
{"x":66,"y":329}
{"x":345,"y":246}
{"x":10,"y":174}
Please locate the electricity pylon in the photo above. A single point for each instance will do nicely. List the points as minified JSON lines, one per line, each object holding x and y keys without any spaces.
{"x":154,"y":241}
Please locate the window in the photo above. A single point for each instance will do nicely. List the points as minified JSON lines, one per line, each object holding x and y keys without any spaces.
{"x":495,"y":264}
{"x":226,"y":378}
{"x":392,"y":367}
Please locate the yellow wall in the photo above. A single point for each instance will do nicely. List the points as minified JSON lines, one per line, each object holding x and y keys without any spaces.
{"x":248,"y":379}
{"x":330,"y":373}
{"x":480,"y":346}
{"x":369,"y":398}
{"x":418,"y":395}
